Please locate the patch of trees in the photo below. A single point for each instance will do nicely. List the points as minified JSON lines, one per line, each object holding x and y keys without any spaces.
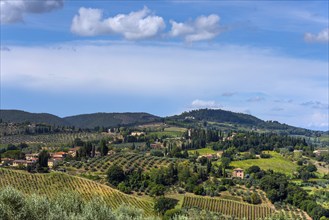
{"x":279,"y":189}
{"x":260,"y":142}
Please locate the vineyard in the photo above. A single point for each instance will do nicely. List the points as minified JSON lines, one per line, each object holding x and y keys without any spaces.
{"x":60,"y":138}
{"x":228,"y":207}
{"x":126,"y":161}
{"x":55,"y":183}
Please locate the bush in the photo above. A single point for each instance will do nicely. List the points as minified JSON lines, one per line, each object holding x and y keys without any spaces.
{"x":163,"y":204}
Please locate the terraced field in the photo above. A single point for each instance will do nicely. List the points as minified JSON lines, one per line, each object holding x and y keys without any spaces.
{"x":55,"y":183}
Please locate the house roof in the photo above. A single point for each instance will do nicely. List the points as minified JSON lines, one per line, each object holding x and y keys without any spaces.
{"x":238,"y":169}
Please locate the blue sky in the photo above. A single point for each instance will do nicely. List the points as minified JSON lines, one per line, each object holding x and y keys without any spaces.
{"x":268,"y":59}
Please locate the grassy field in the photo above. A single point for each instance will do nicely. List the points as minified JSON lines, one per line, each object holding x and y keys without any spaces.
{"x":203,"y":151}
{"x":276,"y":163}
{"x":55,"y":183}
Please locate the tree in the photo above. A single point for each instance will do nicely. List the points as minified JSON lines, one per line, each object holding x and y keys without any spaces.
{"x":225,"y":161}
{"x":103,"y":149}
{"x":43,"y":158}
{"x":163,"y":204}
{"x":115,"y":175}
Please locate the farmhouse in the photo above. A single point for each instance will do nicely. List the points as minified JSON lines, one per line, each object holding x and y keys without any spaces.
{"x":31,"y":156}
{"x":60,"y":155}
{"x":53,"y":162}
{"x":136,"y":133}
{"x":73,"y":151}
{"x":238,"y":172}
{"x":320,"y":152}
{"x":7,"y":161}
{"x":17,"y":163}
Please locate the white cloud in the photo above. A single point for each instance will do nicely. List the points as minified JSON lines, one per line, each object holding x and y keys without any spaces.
{"x":322,"y":37}
{"x":203,"y":28}
{"x":198,"y":104}
{"x":12,"y":11}
{"x":133,"y":26}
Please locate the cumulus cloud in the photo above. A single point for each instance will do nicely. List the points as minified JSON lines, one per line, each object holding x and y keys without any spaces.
{"x":322,"y":37}
{"x":202,"y":28}
{"x":12,"y":11}
{"x":133,"y":26}
{"x":205,"y":104}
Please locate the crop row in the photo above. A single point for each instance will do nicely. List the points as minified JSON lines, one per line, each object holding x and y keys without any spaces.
{"x":124,"y":160}
{"x":54,"y":183}
{"x":239,"y":210}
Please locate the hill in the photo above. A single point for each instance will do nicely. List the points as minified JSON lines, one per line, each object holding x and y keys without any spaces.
{"x":55,"y":183}
{"x":233,"y":120}
{"x":110,"y":119}
{"x":79,"y":121}
{"x":18,"y":116}
{"x":217,"y":118}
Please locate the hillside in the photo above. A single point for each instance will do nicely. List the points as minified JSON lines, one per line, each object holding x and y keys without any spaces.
{"x":55,"y":183}
{"x":233,"y":120}
{"x":110,"y":119}
{"x":79,"y":121}
{"x":218,"y":118}
{"x":18,"y":116}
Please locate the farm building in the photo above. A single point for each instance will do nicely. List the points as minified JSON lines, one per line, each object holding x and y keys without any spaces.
{"x":238,"y":172}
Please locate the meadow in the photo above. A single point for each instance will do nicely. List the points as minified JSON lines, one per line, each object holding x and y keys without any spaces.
{"x":276,"y":163}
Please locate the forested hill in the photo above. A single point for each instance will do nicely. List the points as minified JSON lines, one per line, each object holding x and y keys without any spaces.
{"x":110,"y":119}
{"x":79,"y":121}
{"x":18,"y":116}
{"x":238,"y":119}
{"x":222,"y":117}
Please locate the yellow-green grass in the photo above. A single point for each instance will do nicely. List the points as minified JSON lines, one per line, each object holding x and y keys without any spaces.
{"x":175,"y":129}
{"x":166,"y":133}
{"x":202,"y":151}
{"x":276,"y":163}
{"x":55,"y":183}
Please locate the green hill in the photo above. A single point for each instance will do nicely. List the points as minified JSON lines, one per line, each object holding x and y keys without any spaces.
{"x":110,"y":119}
{"x":233,"y":120}
{"x":79,"y":121}
{"x":18,"y":116}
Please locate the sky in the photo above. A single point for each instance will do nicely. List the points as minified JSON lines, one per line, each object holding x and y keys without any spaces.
{"x":264,"y":58}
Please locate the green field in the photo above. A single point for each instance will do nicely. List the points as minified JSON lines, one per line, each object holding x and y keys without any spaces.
{"x":203,"y":151}
{"x":276,"y":163}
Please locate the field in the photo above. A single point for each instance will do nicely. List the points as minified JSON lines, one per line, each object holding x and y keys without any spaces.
{"x":276,"y":163}
{"x":203,"y":151}
{"x":60,"y":138}
{"x":55,"y":183}
{"x":228,"y":207}
{"x":171,"y":132}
